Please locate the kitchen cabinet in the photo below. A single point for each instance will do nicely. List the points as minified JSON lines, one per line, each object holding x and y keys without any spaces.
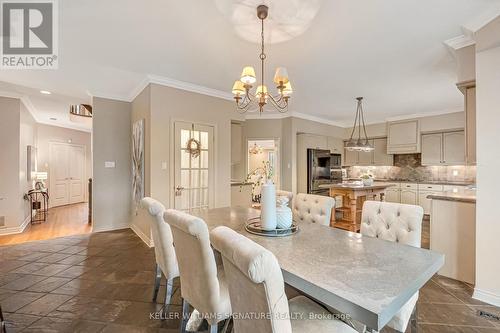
{"x":409,"y":194}
{"x":236,"y":143}
{"x":380,"y":156}
{"x":377,"y":157}
{"x":446,"y":148}
{"x":335,"y":145}
{"x":403,"y":137}
{"x":454,"y":148}
{"x":393,"y":193}
{"x":432,"y":149}
{"x":425,"y":190}
{"x":469,"y":90}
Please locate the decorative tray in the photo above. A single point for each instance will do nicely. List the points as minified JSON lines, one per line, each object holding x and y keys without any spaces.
{"x":253,"y":227}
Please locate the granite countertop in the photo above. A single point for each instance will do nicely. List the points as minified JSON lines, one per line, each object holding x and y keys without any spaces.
{"x":355,"y":186}
{"x":468,"y":196}
{"x":436,"y":182}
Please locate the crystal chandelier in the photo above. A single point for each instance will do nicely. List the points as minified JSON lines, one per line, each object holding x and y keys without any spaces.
{"x":255,"y":149}
{"x":359,"y":144}
{"x":241,"y":88}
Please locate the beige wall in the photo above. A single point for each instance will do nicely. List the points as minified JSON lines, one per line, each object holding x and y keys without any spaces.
{"x":48,"y":133}
{"x":27,"y":137}
{"x":9,"y":162}
{"x":141,"y":109}
{"x":112,"y":187}
{"x":488,"y":166}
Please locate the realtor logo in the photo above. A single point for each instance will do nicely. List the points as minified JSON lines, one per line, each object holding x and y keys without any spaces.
{"x":29,"y":34}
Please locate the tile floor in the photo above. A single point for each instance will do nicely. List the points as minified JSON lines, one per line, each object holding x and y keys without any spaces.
{"x":102,"y":282}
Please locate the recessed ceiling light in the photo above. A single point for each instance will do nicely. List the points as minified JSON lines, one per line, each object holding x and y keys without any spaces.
{"x":52,"y":118}
{"x":45,"y":92}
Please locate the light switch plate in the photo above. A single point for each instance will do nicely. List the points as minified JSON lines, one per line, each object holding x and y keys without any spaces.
{"x":109,"y":164}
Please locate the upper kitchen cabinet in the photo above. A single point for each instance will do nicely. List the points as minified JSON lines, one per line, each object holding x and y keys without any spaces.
{"x":403,"y":137}
{"x":469,"y":90}
{"x":446,"y":148}
{"x":236,"y":143}
{"x":335,"y":145}
{"x":380,"y":156}
{"x":305,"y":141}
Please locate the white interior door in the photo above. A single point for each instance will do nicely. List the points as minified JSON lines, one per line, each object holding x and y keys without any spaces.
{"x":76,"y":162}
{"x":193,"y":175}
{"x":66,"y":173}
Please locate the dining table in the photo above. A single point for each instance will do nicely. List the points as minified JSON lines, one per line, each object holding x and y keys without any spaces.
{"x":365,"y":278}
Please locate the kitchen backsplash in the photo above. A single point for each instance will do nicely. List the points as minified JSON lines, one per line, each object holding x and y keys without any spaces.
{"x":408,"y":167}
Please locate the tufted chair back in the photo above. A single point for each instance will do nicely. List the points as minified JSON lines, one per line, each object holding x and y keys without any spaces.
{"x":199,"y":276}
{"x":313,"y":208}
{"x":255,"y":283}
{"x":162,"y":238}
{"x":393,"y":222}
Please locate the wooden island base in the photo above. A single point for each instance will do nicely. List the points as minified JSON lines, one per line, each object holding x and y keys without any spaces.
{"x":353,"y":197}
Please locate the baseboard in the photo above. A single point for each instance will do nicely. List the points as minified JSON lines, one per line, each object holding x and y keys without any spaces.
{"x":15,"y":230}
{"x":138,"y":232}
{"x":109,"y":227}
{"x":486,"y":296}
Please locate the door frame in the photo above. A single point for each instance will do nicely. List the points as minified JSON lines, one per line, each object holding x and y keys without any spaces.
{"x":278,"y":158}
{"x":171,"y":164}
{"x":51,"y":143}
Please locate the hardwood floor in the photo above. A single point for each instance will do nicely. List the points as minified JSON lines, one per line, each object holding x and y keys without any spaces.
{"x":62,"y":221}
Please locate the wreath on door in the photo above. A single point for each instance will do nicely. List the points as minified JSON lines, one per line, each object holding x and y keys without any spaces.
{"x":193,"y":147}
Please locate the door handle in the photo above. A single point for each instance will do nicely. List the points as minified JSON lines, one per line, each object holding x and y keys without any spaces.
{"x":178,"y":190}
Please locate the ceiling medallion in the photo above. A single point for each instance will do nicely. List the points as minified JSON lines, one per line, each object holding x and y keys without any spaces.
{"x":245,"y":99}
{"x":359,"y":144}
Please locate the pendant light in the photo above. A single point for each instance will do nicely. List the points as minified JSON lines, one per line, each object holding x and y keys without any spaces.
{"x":361,"y":143}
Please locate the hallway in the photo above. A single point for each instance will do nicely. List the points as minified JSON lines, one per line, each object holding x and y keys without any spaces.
{"x":62,"y":221}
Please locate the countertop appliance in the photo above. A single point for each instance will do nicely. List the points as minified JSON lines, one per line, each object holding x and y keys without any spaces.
{"x":322,"y":169}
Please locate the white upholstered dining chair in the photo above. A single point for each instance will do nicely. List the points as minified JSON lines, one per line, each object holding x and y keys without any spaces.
{"x":203,"y":283}
{"x":166,"y":261}
{"x":396,"y":223}
{"x":312,"y":208}
{"x":256,"y":286}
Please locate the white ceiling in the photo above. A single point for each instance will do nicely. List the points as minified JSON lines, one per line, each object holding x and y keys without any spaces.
{"x":389,"y":51}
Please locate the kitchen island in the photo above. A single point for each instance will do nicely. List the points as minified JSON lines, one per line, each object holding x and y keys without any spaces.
{"x":353,"y":196}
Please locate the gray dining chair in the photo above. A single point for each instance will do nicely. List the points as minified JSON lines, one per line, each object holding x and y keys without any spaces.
{"x":203,"y":283}
{"x":166,"y":260}
{"x":256,"y":286}
{"x":312,"y":208}
{"x":396,"y":223}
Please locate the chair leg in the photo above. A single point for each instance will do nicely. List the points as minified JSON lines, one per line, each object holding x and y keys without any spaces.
{"x":226,"y":325}
{"x":184,"y":315}
{"x":157,"y":282}
{"x":214,"y":328}
{"x":168,"y":296}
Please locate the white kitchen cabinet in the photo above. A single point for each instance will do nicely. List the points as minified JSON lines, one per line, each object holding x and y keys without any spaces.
{"x":366,"y":158}
{"x":393,"y":193}
{"x":468,"y":88}
{"x":236,"y":143}
{"x":380,"y":156}
{"x":403,"y":137}
{"x":350,"y":158}
{"x":446,"y":148}
{"x":335,"y":145}
{"x":454,"y":148}
{"x":432,"y":149}
{"x":409,"y":193}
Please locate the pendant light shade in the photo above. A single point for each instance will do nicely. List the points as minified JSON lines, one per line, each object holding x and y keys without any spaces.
{"x":361,"y":143}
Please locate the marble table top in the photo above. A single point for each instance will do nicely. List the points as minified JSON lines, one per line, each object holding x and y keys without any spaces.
{"x":367,"y":278}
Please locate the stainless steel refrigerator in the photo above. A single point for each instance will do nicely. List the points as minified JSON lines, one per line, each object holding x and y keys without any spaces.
{"x":318,"y":170}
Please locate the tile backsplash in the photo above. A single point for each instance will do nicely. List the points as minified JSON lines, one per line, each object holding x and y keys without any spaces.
{"x":408,"y":167}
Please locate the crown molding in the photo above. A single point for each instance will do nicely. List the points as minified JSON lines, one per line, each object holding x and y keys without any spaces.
{"x":168,"y":82}
{"x":420,"y":115}
{"x":459,"y":42}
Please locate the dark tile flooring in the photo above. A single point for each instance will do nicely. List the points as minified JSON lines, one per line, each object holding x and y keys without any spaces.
{"x":102,"y":282}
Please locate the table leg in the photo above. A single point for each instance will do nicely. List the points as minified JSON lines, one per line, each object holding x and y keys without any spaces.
{"x":382,"y":196}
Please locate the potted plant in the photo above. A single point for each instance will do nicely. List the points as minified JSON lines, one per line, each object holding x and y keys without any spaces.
{"x":367,"y":179}
{"x":260,"y":176}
